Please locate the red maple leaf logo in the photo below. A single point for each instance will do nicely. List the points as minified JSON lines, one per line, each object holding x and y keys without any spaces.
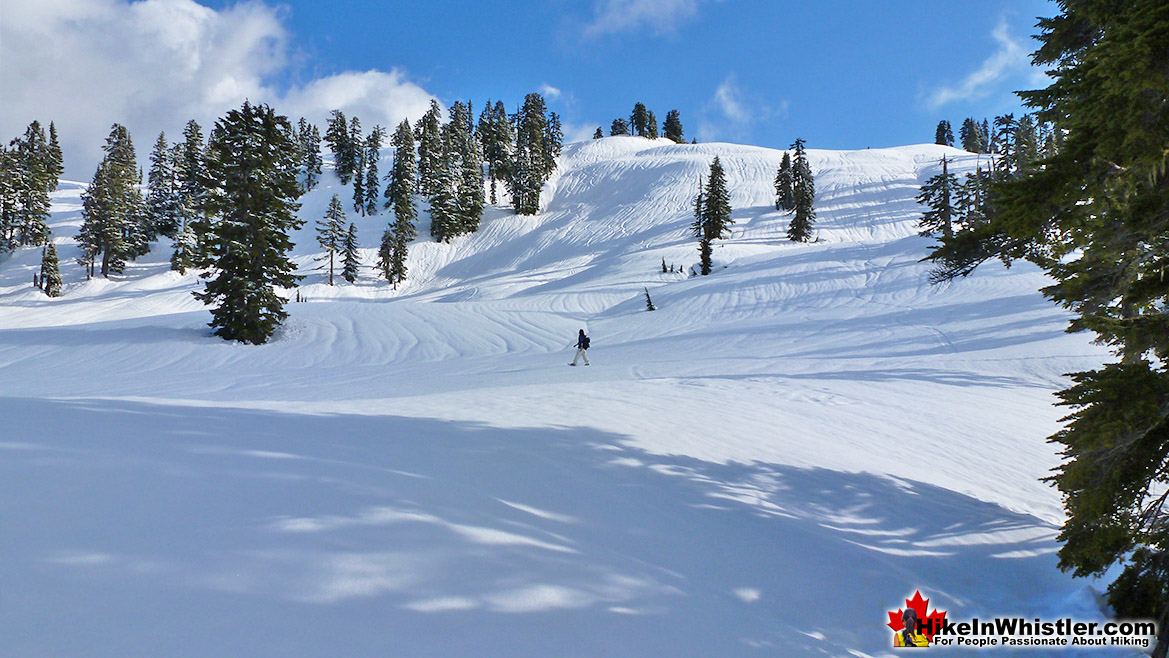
{"x":929,"y":623}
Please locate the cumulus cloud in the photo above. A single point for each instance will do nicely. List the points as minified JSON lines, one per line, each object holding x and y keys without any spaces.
{"x":661,"y":16}
{"x":1010,"y":57}
{"x":153,"y":64}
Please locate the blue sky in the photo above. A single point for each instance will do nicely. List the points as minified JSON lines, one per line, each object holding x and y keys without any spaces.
{"x":838,"y":74}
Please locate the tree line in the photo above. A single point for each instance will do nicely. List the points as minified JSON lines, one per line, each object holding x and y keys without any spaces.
{"x":643,"y":122}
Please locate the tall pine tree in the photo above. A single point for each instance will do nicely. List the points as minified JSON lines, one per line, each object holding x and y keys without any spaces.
{"x":331,"y":231}
{"x":713,"y":214}
{"x":253,"y":188}
{"x":938,"y":195}
{"x":349,"y":255}
{"x":50,"y":271}
{"x":672,"y":128}
{"x":785,"y":198}
{"x":112,"y":205}
{"x":804,"y":193}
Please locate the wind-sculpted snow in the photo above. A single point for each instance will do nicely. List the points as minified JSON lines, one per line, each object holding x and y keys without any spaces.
{"x":763,"y":466}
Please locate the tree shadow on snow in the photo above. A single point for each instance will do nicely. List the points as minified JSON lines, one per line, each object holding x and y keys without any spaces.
{"x":145,"y":529}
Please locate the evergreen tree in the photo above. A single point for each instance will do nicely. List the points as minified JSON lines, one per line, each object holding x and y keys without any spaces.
{"x":649,"y":304}
{"x":553,"y":142}
{"x":599,"y":134}
{"x":444,"y":206}
{"x":428,"y":133}
{"x":308,"y":139}
{"x":1006,"y":131}
{"x":619,"y":127}
{"x":1094,"y":217}
{"x":497,"y":138}
{"x":183,"y":257}
{"x":9,"y":185}
{"x":50,"y":271}
{"x":785,"y":198}
{"x":112,"y":205}
{"x":56,"y":158}
{"x":651,"y":126}
{"x":1026,"y":145}
{"x":373,"y":147}
{"x":399,"y":197}
{"x":191,"y":176}
{"x":938,"y":194}
{"x":331,"y":231}
{"x":944,"y":134}
{"x":530,"y":165}
{"x":253,"y":192}
{"x":672,"y":128}
{"x":713,"y":214}
{"x":987,"y":139}
{"x":971,"y":136}
{"x":338,"y":137}
{"x":32,"y":179}
{"x":163,"y":205}
{"x":804,"y":193}
{"x":639,"y":120}
{"x":350,"y":257}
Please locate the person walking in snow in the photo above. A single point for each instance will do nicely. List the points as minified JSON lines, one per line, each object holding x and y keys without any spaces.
{"x":582,"y":346}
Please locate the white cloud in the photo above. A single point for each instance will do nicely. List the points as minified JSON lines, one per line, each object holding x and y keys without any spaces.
{"x":728,"y":98}
{"x":615,"y":16}
{"x":549,"y":92}
{"x":731,"y":112}
{"x":1009,"y":58}
{"x":154,"y":64}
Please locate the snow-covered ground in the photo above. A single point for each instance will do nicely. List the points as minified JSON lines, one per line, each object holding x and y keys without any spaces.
{"x":766,"y":465}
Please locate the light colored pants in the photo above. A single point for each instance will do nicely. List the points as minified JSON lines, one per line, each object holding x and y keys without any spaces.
{"x":580,"y":352}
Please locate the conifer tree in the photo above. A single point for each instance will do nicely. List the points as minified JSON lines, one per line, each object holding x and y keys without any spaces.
{"x":1006,"y":132}
{"x":639,"y":120}
{"x":497,"y":138}
{"x":651,"y":126}
{"x":373,"y":147}
{"x":50,"y":271}
{"x":350,"y":258}
{"x":56,"y":158}
{"x":112,"y":204}
{"x":971,"y":136}
{"x":428,"y":133}
{"x":191,"y":175}
{"x":163,"y":204}
{"x":938,"y":194}
{"x":785,"y":198}
{"x":599,"y":134}
{"x":400,"y":199}
{"x":649,"y":304}
{"x":308,"y":139}
{"x":31,"y":182}
{"x":253,"y":172}
{"x":713,"y":214}
{"x":530,"y":165}
{"x":804,"y":193}
{"x":619,"y":127}
{"x":553,"y":142}
{"x":1094,"y":217}
{"x":183,"y":257}
{"x":9,"y":184}
{"x":672,"y":128}
{"x":944,"y":135}
{"x":987,"y":139}
{"x":338,"y":137}
{"x":331,"y":231}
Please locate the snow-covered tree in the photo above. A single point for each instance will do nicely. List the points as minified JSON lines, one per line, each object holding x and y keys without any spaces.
{"x":938,"y":195}
{"x":251,"y":162}
{"x":785,"y":197}
{"x":349,"y":256}
{"x":50,"y":271}
{"x":112,"y":205}
{"x":804,"y":192}
{"x":331,"y":231}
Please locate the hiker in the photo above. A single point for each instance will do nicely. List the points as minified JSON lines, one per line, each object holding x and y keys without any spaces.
{"x":582,"y":346}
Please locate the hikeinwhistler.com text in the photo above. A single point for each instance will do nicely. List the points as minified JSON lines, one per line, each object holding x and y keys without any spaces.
{"x":1020,"y":632}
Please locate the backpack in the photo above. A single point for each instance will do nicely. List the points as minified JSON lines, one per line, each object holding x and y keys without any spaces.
{"x":585,"y":343}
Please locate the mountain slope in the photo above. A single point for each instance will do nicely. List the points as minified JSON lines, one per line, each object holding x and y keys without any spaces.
{"x":779,"y":454}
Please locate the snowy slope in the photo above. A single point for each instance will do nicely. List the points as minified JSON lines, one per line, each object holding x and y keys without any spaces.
{"x":782,"y":452}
